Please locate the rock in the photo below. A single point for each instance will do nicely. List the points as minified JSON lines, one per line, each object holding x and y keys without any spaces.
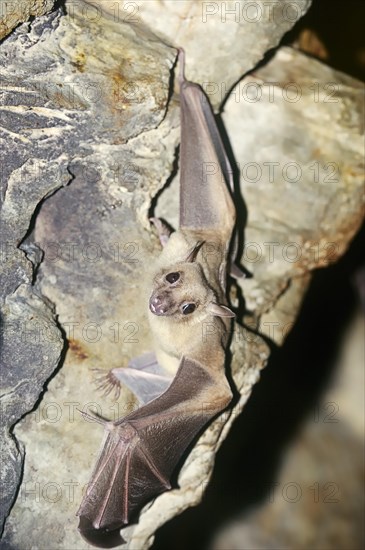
{"x":27,"y":362}
{"x":98,"y":112}
{"x":302,"y":180}
{"x":13,"y":13}
{"x":27,"y":359}
{"x":48,"y":108}
{"x":217,"y":36}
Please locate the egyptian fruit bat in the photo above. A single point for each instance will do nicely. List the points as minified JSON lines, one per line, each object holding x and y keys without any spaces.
{"x":183,"y":385}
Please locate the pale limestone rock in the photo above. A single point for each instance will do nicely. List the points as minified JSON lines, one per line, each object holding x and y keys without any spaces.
{"x":217,"y":36}
{"x":106,"y":120}
{"x":15,"y":12}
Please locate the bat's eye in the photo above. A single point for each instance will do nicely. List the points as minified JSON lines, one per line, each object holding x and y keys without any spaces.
{"x":188,"y":308}
{"x":172,"y":277}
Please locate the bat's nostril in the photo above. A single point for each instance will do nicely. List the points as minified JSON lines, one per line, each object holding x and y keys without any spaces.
{"x":157,"y":305}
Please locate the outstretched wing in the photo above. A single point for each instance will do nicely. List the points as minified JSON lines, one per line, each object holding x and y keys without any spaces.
{"x":142,"y":450}
{"x":143,"y":376}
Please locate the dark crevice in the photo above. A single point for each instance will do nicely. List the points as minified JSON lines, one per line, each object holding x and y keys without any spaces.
{"x":345,"y":20}
{"x":174,"y":171}
{"x":175,"y":164}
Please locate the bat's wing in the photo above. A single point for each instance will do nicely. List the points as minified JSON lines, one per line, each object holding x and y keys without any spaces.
{"x":143,"y":376}
{"x":142,"y":450}
{"x":145,"y":385}
{"x":206,"y":178}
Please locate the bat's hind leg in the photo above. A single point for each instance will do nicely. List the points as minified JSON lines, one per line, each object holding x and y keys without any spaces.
{"x":163,"y":229}
{"x":143,"y":376}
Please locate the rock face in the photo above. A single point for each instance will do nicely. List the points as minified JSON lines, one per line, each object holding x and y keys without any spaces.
{"x":54,"y":118}
{"x":14,"y":13}
{"x":222,"y":40}
{"x":89,"y":118}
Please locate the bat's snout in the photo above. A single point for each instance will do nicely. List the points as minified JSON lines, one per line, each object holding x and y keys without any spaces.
{"x":159,"y":305}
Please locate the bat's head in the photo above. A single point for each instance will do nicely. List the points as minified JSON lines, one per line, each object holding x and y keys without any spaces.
{"x":182,"y":292}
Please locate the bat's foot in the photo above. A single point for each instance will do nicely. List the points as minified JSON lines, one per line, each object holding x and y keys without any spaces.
{"x":236,"y":272}
{"x":163,"y":230}
{"x":107,"y":382}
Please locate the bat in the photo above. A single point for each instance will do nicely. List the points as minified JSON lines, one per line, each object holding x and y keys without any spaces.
{"x":181,"y":386}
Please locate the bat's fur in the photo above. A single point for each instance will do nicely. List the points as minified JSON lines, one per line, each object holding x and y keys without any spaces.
{"x":200,"y":333}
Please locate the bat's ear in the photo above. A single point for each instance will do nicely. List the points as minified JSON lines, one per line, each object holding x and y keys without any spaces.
{"x":191,"y":257}
{"x":220,"y":311}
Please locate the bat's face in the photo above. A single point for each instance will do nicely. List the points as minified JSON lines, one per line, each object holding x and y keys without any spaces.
{"x":180,"y":292}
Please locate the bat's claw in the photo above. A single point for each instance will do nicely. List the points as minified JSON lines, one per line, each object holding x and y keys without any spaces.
{"x":107,"y":382}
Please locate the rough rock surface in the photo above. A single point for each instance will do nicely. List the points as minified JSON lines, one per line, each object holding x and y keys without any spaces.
{"x":27,"y":359}
{"x":246,"y":31}
{"x":14,"y":13}
{"x":53,"y":116}
{"x":105,"y":122}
